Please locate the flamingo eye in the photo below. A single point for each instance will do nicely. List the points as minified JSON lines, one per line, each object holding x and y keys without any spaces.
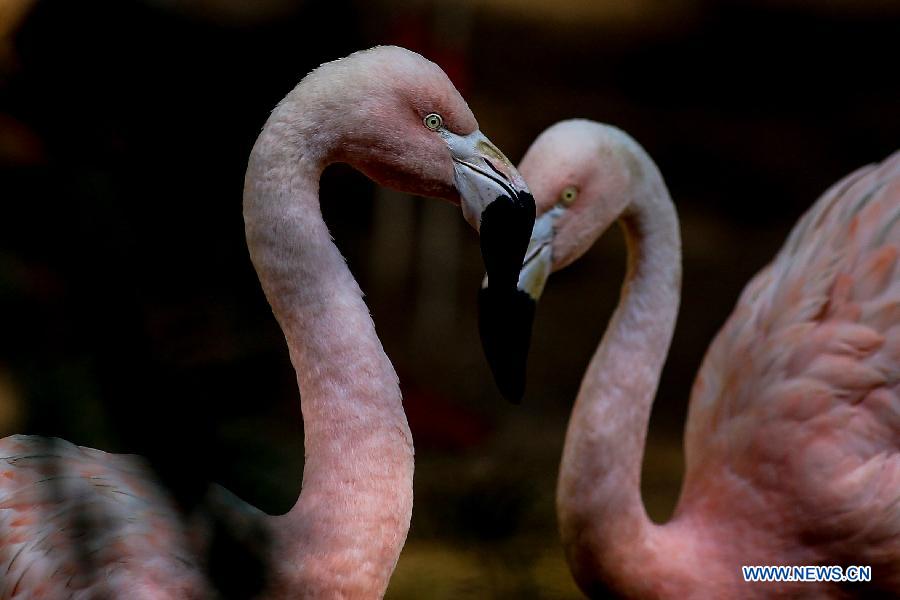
{"x":433,"y":121}
{"x":568,"y":195}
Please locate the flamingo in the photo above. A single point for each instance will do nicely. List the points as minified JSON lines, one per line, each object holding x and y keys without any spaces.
{"x":792,"y":440}
{"x":80,"y":523}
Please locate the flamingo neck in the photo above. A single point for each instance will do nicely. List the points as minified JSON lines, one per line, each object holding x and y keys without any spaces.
{"x":608,"y":537}
{"x":344,"y":534}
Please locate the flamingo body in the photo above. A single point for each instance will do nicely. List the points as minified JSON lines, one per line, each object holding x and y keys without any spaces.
{"x":793,"y":435}
{"x":80,"y":523}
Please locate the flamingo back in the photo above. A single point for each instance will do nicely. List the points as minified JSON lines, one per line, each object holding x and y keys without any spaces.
{"x":794,"y":423}
{"x":81,"y":523}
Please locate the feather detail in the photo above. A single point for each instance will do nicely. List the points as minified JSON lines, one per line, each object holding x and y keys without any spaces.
{"x":81,"y":523}
{"x":802,"y":381}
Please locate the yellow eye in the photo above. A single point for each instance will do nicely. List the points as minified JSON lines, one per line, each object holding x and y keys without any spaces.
{"x":568,"y":195}
{"x":433,"y":121}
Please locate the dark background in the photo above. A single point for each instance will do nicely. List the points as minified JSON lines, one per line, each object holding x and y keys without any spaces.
{"x":131,"y":319}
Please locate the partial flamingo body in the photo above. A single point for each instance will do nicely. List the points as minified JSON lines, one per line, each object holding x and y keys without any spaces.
{"x":80,"y":523}
{"x":793,"y":436}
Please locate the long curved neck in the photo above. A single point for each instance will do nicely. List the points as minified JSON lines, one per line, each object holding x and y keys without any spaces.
{"x":604,"y":526}
{"x":345,"y":533}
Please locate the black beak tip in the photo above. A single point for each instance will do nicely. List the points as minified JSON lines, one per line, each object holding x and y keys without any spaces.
{"x":505,"y":231}
{"x":513,"y":390}
{"x":505,"y":318}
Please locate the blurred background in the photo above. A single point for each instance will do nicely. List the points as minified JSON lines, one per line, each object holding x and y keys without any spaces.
{"x":131,"y":319}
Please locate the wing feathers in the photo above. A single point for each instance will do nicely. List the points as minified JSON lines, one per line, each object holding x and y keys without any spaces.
{"x":799,"y":394}
{"x":80,"y":523}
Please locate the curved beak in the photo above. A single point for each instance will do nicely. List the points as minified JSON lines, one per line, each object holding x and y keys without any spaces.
{"x":506,"y":315}
{"x":496,"y":201}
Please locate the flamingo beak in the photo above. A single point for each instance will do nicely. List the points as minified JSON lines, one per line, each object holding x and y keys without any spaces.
{"x":496,"y":201}
{"x":506,"y":315}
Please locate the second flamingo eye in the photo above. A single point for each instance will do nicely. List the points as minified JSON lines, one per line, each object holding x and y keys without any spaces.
{"x":568,"y":195}
{"x":433,"y":121}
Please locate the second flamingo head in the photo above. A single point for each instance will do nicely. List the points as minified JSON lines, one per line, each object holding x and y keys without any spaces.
{"x":584,"y":175}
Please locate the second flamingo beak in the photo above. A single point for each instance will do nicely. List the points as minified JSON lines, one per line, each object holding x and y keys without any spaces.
{"x":506,"y":314}
{"x":496,"y":201}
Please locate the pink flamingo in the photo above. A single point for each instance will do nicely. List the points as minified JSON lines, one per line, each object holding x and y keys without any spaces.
{"x":80,"y":523}
{"x":793,"y":437}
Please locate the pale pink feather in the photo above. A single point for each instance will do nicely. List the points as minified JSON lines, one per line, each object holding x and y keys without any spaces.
{"x":80,"y":523}
{"x":798,"y":394}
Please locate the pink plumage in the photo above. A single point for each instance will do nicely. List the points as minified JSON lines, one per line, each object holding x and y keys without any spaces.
{"x":793,"y":435}
{"x":798,"y":393}
{"x":80,"y":523}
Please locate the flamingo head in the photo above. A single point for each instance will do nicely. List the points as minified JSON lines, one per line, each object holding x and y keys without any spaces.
{"x":584,"y":175}
{"x":397,"y":117}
